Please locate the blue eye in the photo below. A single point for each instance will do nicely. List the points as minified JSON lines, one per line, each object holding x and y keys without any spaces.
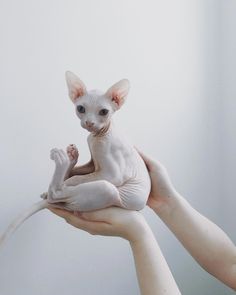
{"x":81,"y":109}
{"x":103,"y":112}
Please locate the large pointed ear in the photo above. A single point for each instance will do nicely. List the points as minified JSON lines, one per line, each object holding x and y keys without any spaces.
{"x":118,"y":92}
{"x":76,"y":87}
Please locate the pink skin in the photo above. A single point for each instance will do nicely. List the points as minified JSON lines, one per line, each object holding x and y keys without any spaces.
{"x":73,"y":154}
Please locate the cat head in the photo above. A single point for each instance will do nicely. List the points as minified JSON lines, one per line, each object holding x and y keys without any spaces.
{"x":95,"y":108}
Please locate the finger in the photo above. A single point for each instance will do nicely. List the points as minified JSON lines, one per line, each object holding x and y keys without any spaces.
{"x":103,"y":215}
{"x":92,"y":227}
{"x":61,"y":212}
{"x":68,"y":216}
{"x":147,"y":160}
{"x":83,"y":224}
{"x":150,"y":162}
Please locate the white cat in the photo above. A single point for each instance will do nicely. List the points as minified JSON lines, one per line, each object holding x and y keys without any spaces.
{"x":116,"y":174}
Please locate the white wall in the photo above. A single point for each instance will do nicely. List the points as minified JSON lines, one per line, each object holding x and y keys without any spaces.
{"x":228,"y":95}
{"x":168,"y":50}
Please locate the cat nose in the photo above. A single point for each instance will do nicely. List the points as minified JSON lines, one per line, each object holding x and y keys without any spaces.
{"x":89,"y":124}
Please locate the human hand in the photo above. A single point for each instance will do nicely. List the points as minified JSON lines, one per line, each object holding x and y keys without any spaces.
{"x":112,"y":221}
{"x":162,"y":189}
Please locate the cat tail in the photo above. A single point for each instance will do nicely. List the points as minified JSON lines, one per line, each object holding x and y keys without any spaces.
{"x":20,"y":219}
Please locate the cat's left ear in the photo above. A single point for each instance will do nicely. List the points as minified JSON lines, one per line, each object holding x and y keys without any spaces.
{"x":118,"y":92}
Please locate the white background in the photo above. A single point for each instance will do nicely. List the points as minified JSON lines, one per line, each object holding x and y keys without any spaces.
{"x":180,"y":59}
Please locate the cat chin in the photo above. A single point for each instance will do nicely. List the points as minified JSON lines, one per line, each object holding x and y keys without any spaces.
{"x":96,"y":129}
{"x":92,"y":129}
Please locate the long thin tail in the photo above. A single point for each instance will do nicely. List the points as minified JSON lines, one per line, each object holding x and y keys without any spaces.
{"x":20,"y":219}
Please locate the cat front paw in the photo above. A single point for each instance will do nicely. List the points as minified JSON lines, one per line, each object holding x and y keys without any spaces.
{"x":44,"y":196}
{"x":73,"y":154}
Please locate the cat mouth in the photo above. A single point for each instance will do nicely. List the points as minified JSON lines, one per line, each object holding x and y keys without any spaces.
{"x":92,"y":129}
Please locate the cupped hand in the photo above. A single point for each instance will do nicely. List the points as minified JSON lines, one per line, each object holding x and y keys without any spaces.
{"x":112,"y":221}
{"x":162,"y":189}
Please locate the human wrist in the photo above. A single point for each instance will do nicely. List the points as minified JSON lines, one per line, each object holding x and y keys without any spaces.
{"x":168,"y":205}
{"x":140,"y":236}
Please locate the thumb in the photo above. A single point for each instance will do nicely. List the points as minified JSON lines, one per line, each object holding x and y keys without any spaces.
{"x":147,"y":160}
{"x":61,"y":212}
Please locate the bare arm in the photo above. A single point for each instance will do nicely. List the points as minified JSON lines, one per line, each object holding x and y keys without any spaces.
{"x":153,"y":273}
{"x":203,"y":239}
{"x":82,"y":170}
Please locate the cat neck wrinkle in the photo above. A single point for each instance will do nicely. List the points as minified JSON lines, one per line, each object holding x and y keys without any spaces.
{"x":103,"y":131}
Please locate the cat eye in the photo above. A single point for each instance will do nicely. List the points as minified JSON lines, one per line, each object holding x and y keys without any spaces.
{"x":81,"y":109}
{"x":103,"y":112}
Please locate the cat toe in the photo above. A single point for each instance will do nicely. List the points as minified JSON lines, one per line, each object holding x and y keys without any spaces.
{"x":44,"y":196}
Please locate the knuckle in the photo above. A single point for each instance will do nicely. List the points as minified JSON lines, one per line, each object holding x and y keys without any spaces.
{"x":92,"y":232}
{"x":68,"y":220}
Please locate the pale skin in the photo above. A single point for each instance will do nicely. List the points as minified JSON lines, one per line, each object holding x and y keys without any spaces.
{"x":204,"y":240}
{"x":153,"y":273}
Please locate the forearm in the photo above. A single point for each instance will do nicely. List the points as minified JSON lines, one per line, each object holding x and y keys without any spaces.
{"x":154,"y":275}
{"x":82,"y":170}
{"x":204,"y":240}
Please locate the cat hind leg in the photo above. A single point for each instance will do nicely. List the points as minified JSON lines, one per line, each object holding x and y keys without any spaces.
{"x":91,"y":196}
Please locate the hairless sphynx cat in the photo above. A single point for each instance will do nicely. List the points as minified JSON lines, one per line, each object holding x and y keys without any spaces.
{"x":115,"y":176}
